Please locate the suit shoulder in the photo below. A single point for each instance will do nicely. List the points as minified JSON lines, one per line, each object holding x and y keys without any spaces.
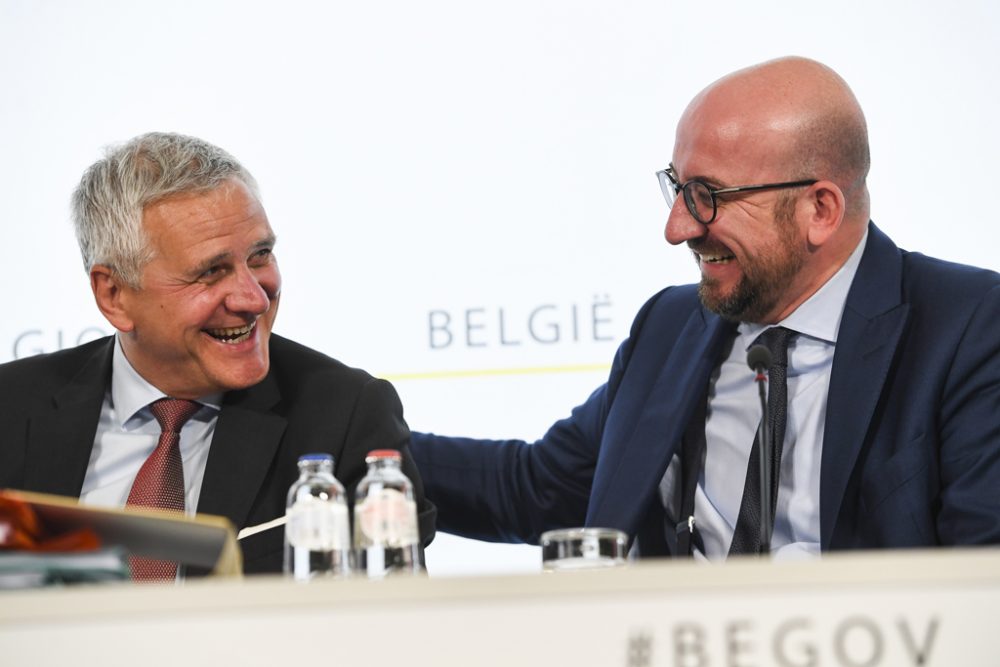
{"x":294,"y":363}
{"x":322,"y":393}
{"x":942,"y":283}
{"x":43,"y":372}
{"x":666,"y":306}
{"x":676,"y":296}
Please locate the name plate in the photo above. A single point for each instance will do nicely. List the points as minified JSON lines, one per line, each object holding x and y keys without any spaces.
{"x":888,"y":608}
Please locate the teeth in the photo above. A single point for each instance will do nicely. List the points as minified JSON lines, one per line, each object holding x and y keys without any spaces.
{"x":232,"y":335}
{"x":716,"y":258}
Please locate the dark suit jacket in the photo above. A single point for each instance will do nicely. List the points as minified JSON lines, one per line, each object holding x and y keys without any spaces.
{"x":911,"y":450}
{"x":50,"y":406}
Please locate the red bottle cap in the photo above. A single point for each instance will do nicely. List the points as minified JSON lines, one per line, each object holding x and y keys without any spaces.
{"x":380,"y":454}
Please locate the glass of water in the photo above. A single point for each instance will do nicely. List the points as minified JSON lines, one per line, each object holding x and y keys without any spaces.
{"x":583,"y":548}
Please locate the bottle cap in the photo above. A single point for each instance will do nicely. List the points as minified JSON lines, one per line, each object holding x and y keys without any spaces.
{"x":383,"y":454}
{"x":316,"y":457}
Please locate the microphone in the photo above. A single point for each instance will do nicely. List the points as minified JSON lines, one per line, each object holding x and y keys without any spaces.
{"x":759,"y":360}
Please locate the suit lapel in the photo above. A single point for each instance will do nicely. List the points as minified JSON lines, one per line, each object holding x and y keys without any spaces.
{"x":61,"y":439}
{"x":873,"y":322}
{"x":631,"y":464}
{"x":246,"y":439}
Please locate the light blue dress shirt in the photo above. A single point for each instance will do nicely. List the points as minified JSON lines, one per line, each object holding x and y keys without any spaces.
{"x":128,"y":432}
{"x":734,"y":413}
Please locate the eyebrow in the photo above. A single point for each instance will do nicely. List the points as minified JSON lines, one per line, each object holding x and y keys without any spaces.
{"x":205,"y":265}
{"x":266,"y":242}
{"x":714,"y":183}
{"x":200,"y":268}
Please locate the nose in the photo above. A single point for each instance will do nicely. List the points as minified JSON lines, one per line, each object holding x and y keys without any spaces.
{"x":252,"y":291}
{"x":681,"y":226}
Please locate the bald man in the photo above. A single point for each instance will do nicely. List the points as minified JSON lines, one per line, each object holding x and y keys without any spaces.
{"x":888,"y":435}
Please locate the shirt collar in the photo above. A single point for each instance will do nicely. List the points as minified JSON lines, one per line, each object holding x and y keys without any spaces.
{"x":818,"y":316}
{"x":131,"y":393}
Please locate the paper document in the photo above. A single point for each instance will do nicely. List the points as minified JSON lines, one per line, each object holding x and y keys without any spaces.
{"x":261,"y":527}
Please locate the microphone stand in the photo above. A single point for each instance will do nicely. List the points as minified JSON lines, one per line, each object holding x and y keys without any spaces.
{"x":759,"y":359}
{"x":766,"y":500}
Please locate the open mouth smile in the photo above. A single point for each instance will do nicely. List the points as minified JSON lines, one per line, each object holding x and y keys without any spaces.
{"x":715,"y":258}
{"x":232,"y":335}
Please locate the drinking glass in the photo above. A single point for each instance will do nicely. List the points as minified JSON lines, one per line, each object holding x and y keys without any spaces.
{"x":583,"y":548}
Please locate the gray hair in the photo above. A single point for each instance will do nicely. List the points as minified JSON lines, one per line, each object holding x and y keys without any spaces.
{"x":109,"y":201}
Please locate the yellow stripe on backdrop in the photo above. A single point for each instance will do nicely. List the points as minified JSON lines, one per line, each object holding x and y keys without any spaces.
{"x":493,"y":372}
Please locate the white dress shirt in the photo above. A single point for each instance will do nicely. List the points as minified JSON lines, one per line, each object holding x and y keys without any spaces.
{"x":128,"y":432}
{"x":734,"y":413}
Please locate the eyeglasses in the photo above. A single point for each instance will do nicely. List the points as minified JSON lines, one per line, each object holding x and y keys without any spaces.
{"x":700,"y":199}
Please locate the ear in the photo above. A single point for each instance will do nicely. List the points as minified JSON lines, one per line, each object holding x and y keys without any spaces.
{"x":111,"y":294}
{"x":825,"y":213}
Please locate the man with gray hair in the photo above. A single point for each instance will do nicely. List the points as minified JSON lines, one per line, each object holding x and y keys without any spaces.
{"x":180,"y":256}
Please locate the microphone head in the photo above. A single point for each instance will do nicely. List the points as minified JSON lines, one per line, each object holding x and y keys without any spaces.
{"x":758,"y":357}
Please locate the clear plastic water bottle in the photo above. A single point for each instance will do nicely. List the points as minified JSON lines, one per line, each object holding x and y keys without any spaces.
{"x":317,"y":528}
{"x":386,"y":539}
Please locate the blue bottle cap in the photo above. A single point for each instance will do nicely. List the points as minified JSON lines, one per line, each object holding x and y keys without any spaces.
{"x":316,"y":457}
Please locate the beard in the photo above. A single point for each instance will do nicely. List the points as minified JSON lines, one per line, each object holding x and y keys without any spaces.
{"x":765,"y":277}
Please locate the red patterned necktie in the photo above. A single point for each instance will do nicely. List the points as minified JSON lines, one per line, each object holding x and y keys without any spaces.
{"x":160,"y":482}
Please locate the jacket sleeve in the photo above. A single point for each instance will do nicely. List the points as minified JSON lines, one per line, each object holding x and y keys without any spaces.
{"x":513,"y":490}
{"x":969,"y":432}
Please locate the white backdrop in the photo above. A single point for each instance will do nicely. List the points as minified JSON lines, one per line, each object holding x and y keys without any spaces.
{"x":467,"y":161}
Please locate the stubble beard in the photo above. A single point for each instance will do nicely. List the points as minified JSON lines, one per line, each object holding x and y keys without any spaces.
{"x":765,"y":278}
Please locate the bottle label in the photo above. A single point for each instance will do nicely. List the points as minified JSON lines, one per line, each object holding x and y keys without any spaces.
{"x":318,"y":525}
{"x":386,"y":517}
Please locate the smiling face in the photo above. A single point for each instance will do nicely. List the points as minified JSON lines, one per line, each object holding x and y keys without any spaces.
{"x":201,"y":321}
{"x":750,"y":257}
{"x":748,"y":277}
{"x":767,"y":251}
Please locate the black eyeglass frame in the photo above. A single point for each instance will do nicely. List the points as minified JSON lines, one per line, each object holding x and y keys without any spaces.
{"x":671,"y":187}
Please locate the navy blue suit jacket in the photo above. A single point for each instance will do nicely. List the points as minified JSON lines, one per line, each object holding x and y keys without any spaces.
{"x":911,"y":451}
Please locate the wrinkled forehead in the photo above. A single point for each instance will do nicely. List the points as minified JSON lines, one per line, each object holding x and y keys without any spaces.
{"x":219,"y":215}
